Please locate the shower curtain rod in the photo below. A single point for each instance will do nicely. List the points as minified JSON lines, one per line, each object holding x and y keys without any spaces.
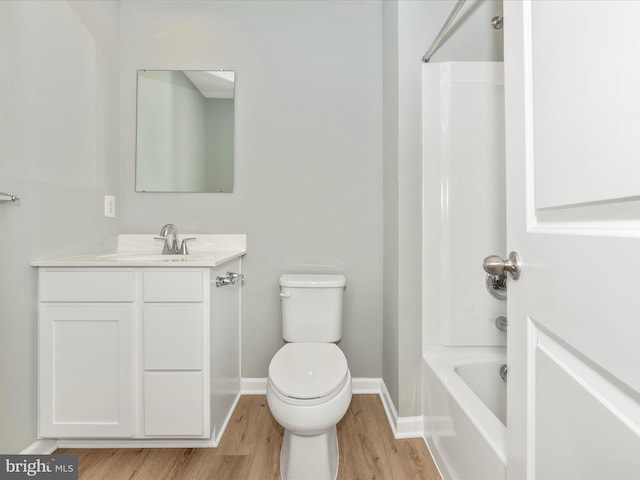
{"x":443,"y":31}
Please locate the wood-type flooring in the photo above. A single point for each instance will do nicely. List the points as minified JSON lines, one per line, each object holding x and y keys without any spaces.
{"x":250,"y":449}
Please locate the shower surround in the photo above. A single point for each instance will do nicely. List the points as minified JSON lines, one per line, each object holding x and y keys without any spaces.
{"x":463,"y":222}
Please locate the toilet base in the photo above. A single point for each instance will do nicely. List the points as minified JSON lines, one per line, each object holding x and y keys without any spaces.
{"x":313,"y":457}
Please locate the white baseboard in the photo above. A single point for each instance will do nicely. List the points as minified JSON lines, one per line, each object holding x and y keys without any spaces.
{"x":364,"y":386}
{"x":258,"y":386}
{"x":360,"y":386}
{"x":41,"y":447}
{"x":402,"y":427}
{"x":253,"y":386}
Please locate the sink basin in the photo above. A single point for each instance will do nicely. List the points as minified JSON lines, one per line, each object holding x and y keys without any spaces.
{"x":145,"y":257}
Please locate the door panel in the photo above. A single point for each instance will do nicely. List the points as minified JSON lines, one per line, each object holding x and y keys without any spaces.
{"x":573,"y":183}
{"x":586,"y":103}
{"x":586,"y":425}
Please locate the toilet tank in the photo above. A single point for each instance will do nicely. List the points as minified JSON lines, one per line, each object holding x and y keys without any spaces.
{"x":311,"y":307}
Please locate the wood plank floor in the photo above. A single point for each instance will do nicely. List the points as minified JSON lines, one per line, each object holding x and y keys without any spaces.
{"x":250,"y":450}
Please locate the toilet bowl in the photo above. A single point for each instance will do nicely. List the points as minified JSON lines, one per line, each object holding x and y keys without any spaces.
{"x":308,"y":392}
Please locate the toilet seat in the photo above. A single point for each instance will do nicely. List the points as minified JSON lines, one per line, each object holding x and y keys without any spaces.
{"x":308,"y":373}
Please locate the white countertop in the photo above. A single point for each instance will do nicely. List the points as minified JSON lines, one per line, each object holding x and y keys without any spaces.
{"x":207,"y":250}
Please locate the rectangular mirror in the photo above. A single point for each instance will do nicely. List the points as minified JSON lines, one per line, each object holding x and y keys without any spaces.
{"x":185,"y":131}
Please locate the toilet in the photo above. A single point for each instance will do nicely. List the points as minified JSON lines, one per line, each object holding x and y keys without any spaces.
{"x":309,"y":383}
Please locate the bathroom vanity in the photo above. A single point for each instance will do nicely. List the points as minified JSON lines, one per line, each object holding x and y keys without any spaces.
{"x":140,"y":346}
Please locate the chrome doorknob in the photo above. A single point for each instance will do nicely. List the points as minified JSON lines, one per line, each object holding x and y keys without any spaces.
{"x":495,"y":265}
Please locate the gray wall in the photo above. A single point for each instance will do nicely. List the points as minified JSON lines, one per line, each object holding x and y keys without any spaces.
{"x":58,"y":151}
{"x":308,"y":171}
{"x":409,"y":29}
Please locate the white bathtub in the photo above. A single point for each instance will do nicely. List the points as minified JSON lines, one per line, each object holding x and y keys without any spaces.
{"x":464,"y":406}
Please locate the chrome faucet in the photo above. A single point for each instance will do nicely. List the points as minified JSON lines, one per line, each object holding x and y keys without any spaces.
{"x":169,"y":233}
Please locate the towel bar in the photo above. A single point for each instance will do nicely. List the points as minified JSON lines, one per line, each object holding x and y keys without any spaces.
{"x":5,"y":197}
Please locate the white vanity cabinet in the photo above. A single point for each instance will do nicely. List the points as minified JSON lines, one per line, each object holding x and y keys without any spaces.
{"x":137,"y":352}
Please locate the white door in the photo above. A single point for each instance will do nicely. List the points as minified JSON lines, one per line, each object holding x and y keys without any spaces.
{"x":572,"y":90}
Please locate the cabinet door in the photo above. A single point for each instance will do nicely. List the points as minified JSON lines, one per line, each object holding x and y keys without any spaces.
{"x":86,"y":370}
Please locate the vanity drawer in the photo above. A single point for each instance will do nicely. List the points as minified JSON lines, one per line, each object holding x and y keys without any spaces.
{"x":90,"y":286}
{"x":174,"y":404}
{"x":165,"y":286}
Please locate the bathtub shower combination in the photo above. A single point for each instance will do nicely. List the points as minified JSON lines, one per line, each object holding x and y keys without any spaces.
{"x":464,"y":327}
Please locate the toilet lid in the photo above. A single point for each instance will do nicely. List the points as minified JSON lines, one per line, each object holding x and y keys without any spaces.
{"x":308,"y":370}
